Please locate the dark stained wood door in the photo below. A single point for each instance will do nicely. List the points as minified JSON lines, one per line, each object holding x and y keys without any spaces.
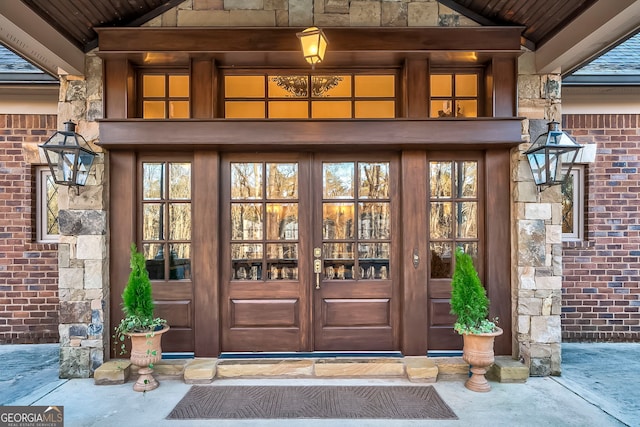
{"x":307,"y":264}
{"x":356,"y":285}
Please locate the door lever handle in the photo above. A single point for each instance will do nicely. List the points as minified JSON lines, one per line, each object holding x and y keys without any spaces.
{"x":317,"y":268}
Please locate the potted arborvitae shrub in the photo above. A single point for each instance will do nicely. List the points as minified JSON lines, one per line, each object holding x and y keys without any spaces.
{"x":139,"y":323}
{"x":470,"y":304}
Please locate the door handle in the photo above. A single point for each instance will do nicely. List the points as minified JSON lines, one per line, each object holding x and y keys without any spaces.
{"x":317,"y":268}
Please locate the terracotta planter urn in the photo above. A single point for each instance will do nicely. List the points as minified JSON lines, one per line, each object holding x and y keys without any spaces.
{"x":146,"y":349}
{"x":478,"y":352}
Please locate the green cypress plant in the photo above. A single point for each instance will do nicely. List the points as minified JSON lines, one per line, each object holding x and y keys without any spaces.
{"x":469,"y":300}
{"x":137,"y":302}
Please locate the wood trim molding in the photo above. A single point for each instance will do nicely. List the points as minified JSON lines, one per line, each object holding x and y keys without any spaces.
{"x":418,"y":39}
{"x":241,"y":135}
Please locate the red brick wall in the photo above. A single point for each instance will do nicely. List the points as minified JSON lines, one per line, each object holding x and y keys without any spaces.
{"x":601,"y":296}
{"x":28,"y":270}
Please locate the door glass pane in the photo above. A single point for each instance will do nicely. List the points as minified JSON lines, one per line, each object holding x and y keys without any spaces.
{"x":152,"y":221}
{"x":440,"y":260}
{"x":467,"y":216}
{"x":374,"y":180}
{"x":337,"y":220}
{"x":282,"y":181}
{"x":246,"y":221}
{"x":180,"y":261}
{"x":468,"y":179}
{"x":373,"y":261}
{"x":247,"y":262}
{"x":282,"y":261}
{"x":282,"y":221}
{"x":441,"y":221}
{"x":154,"y":255}
{"x":246,"y":181}
{"x":374,"y":221}
{"x":338,"y":261}
{"x":338,"y":179}
{"x":152,"y":181}
{"x":440,"y":175}
{"x":180,"y":181}
{"x":180,"y":225}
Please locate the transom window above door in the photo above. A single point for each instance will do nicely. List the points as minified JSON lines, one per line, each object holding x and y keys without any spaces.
{"x":454,"y":95}
{"x":165,"y":96}
{"x":304,"y":96}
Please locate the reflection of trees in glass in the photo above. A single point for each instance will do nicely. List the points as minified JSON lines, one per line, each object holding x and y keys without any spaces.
{"x":440,"y":179}
{"x":338,"y":180}
{"x":167,"y":220}
{"x":567,"y":205}
{"x":246,"y":180}
{"x":52,"y":205}
{"x":282,"y":180}
{"x":374,"y":180}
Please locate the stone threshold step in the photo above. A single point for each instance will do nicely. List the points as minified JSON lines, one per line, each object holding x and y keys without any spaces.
{"x":415,"y":368}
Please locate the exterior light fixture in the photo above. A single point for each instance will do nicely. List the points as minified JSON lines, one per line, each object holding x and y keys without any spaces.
{"x":314,"y":45}
{"x":69,"y":161}
{"x":552,"y":156}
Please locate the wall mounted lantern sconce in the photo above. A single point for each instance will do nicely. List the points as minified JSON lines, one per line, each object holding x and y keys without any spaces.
{"x":314,"y":45}
{"x":552,"y":156}
{"x":67,"y":157}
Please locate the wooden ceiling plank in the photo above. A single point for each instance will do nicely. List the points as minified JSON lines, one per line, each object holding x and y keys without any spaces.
{"x":458,"y":7}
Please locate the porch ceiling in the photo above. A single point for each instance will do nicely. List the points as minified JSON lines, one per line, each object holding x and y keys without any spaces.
{"x":55,"y":33}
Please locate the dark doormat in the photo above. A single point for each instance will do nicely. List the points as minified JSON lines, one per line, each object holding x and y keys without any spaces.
{"x":237,"y":402}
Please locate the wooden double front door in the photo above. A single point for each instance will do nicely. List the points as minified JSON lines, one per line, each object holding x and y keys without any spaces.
{"x":308,"y":244}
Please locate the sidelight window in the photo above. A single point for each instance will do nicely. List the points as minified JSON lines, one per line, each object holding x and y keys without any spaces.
{"x":453,"y":213}
{"x":166,"y":219}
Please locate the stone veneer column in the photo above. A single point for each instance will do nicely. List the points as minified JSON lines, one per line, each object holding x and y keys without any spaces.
{"x":83,"y":248}
{"x":537,"y":231}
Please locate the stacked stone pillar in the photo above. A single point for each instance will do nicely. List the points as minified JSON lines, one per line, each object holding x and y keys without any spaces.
{"x":82,"y":252}
{"x":537,"y":231}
